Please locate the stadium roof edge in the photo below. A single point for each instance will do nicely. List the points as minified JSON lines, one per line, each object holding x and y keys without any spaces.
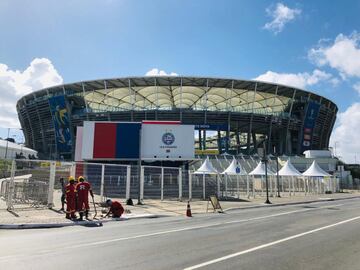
{"x":169,"y":77}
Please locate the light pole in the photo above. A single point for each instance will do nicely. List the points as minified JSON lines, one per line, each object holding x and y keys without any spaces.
{"x":7,"y":143}
{"x":265,"y":160}
{"x":7,"y":140}
{"x":139,"y":202}
{"x":336,"y":142}
{"x":277,"y":177}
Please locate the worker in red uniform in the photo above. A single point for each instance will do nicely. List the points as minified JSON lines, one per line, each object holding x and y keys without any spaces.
{"x":83,"y":188}
{"x":116,"y":208}
{"x":70,"y":198}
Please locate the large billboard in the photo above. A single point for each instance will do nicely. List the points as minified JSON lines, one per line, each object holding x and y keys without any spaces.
{"x":167,"y":141}
{"x":312,"y":112}
{"x":61,"y":124}
{"x":110,"y":140}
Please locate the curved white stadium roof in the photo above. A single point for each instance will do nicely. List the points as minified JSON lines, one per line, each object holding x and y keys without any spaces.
{"x":169,"y":93}
{"x":198,"y":98}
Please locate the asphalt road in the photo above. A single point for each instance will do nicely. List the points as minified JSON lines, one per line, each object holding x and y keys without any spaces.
{"x":322,"y":235}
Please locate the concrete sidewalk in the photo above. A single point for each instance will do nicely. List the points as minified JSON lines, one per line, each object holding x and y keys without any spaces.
{"x":176,"y":208}
{"x":44,"y":217}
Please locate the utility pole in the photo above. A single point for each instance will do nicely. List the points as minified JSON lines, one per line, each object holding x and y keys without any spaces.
{"x":7,"y":143}
{"x":139,"y":202}
{"x":277,"y":176}
{"x":266,"y":174}
{"x":335,"y":147}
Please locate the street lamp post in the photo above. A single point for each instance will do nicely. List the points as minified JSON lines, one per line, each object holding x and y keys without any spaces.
{"x":139,"y":202}
{"x":265,"y":160}
{"x":336,"y":142}
{"x":7,"y":143}
{"x":277,"y":177}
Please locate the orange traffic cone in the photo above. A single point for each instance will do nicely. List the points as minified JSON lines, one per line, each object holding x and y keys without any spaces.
{"x":188,"y":210}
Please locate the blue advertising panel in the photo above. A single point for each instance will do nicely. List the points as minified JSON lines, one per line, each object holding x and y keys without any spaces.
{"x":61,"y":122}
{"x":309,"y":124}
{"x":127,"y":144}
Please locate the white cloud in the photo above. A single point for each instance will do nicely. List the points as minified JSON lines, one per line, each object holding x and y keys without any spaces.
{"x":343,"y":54}
{"x":281,"y":15}
{"x":356,"y":86}
{"x":346,"y":134}
{"x":300,"y":80}
{"x":158,"y":72}
{"x":15,"y":83}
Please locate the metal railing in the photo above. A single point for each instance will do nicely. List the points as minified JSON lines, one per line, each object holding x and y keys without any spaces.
{"x":34,"y":183}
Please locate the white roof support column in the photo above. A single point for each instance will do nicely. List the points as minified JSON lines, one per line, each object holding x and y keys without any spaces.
{"x":181,"y":101}
{"x":156,"y":94}
{"x":271,"y":121}
{"x":105,"y":94}
{"x":251,"y":119}
{"x":132,"y":95}
{"x":232,"y":92}
{"x":86,"y":105}
{"x":288,"y":124}
{"x":206,"y":99}
{"x":131,"y":100}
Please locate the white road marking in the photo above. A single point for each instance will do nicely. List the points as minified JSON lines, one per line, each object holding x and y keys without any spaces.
{"x":198,"y":227}
{"x":55,"y":251}
{"x":269,"y":244}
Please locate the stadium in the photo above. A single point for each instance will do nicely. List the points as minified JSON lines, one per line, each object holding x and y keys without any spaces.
{"x":230,"y":116}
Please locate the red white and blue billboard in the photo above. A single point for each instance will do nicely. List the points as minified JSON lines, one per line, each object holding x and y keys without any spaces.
{"x":160,"y":140}
{"x":110,"y":140}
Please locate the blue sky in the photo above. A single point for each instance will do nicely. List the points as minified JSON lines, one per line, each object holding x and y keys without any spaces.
{"x":310,"y":44}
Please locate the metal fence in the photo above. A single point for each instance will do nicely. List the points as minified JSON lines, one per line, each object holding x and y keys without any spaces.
{"x":34,"y":183}
{"x":30,"y":183}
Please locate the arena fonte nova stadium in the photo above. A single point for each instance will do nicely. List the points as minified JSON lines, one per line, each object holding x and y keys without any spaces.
{"x":232,"y":116}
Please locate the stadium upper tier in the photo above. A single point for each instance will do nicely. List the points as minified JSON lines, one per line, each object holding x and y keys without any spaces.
{"x":168,"y":93}
{"x":246,"y":107}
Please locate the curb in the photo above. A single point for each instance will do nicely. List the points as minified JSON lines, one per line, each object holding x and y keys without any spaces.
{"x":290,"y":203}
{"x":97,"y":223}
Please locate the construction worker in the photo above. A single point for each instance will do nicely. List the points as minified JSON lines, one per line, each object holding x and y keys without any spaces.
{"x":116,"y":208}
{"x":82,"y":191}
{"x":70,"y":198}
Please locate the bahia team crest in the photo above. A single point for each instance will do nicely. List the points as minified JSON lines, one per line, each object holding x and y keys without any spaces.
{"x":168,"y":139}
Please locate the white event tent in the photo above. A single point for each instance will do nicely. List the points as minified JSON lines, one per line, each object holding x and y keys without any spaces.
{"x":315,"y":171}
{"x":206,"y":168}
{"x":317,"y":174}
{"x":289,"y":171}
{"x":260,"y":171}
{"x":235,"y":169}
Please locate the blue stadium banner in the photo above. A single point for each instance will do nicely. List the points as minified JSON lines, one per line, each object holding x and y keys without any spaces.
{"x":222,"y":127}
{"x":309,"y":124}
{"x":61,"y":122}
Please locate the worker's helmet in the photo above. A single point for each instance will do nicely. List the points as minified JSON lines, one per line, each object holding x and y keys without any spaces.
{"x":81,"y":178}
{"x":71,"y":178}
{"x":108,"y":202}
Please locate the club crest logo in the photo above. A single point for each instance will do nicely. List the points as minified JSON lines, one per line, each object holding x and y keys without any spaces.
{"x":168,"y":138}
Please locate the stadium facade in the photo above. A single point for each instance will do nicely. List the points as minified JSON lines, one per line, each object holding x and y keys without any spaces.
{"x":233,"y":116}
